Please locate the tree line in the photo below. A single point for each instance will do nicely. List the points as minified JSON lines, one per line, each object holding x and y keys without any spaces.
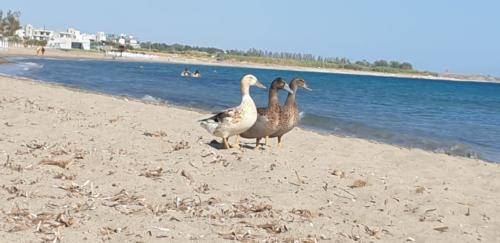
{"x":264,"y":54}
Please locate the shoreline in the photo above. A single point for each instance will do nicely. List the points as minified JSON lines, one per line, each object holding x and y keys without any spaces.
{"x":317,"y":131}
{"x":96,"y":167}
{"x":176,"y":59}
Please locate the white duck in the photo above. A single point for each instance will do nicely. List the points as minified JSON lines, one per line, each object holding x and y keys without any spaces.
{"x":236,"y":120}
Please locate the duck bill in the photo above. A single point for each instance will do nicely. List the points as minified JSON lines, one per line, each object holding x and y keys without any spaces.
{"x":287,"y":88}
{"x":260,"y":85}
{"x":306,"y":88}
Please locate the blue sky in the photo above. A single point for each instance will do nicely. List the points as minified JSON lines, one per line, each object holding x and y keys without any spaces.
{"x":457,"y":35}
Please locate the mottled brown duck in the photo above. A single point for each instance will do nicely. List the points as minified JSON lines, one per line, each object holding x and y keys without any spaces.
{"x":268,"y":118}
{"x":289,"y":113}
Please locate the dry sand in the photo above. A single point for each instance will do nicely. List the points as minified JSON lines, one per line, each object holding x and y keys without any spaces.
{"x":83,"y":167}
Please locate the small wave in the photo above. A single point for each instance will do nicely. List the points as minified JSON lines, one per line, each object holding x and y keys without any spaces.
{"x":149,"y":98}
{"x":359,"y":130}
{"x":31,"y":65}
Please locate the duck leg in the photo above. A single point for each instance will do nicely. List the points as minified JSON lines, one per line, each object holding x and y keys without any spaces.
{"x":280,"y":145}
{"x":237,"y":144}
{"x":267,"y":141}
{"x":226,"y":144}
{"x":257,"y":143}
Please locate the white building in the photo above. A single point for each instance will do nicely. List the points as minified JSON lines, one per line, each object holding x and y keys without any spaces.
{"x":71,"y":39}
{"x":31,"y":33}
{"x":100,"y":37}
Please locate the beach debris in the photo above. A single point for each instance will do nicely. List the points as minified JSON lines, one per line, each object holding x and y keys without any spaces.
{"x":338,"y":173}
{"x":272,"y":166}
{"x":58,"y":152}
{"x":45,"y":222}
{"x":60,"y":163}
{"x":243,"y":237}
{"x":113,"y":120}
{"x":106,"y":230}
{"x":157,"y":134}
{"x":410,"y":239}
{"x":62,"y":176}
{"x":188,"y":176}
{"x":34,"y":145}
{"x":274,"y":227}
{"x":298,"y":178}
{"x":79,"y":190}
{"x":65,"y":220}
{"x":125,"y":203}
{"x":304,"y":213}
{"x":203,"y":188}
{"x":441,"y":229}
{"x":358,"y":183}
{"x":181,"y":145}
{"x":371,"y":232}
{"x":155,"y":174}
{"x":468,"y":212}
{"x":419,"y":189}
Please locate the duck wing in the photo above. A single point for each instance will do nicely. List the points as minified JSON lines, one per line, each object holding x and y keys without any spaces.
{"x":262,"y":111}
{"x":229,"y":115}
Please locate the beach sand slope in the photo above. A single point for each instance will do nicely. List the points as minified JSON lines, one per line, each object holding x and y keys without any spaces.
{"x":78,"y":167}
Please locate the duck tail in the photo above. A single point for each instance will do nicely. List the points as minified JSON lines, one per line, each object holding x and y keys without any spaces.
{"x":209,"y":124}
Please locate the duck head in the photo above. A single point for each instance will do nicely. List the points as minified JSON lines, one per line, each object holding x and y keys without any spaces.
{"x":250,"y":80}
{"x":299,"y":83}
{"x":280,"y":83}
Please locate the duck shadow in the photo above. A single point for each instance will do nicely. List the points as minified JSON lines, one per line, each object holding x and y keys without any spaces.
{"x":220,"y":146}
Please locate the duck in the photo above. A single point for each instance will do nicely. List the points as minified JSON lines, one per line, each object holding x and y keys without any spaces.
{"x":185,"y":73}
{"x":268,"y":117}
{"x":196,"y":74}
{"x":289,"y":116}
{"x":236,"y":120}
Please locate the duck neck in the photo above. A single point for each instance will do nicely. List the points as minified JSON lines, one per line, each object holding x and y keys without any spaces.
{"x":273,"y":98}
{"x":290,"y":99}
{"x":245,"y":89}
{"x":245,"y":93}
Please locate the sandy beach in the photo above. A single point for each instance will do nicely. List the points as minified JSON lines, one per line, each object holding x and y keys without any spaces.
{"x":173,"y":58}
{"x":84,"y":167}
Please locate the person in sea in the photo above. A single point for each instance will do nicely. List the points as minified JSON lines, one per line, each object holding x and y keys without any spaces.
{"x":185,"y":73}
{"x":38,"y":50}
{"x":43,"y":50}
{"x":196,"y":74}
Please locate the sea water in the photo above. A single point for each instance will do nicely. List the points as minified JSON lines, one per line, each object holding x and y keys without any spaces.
{"x":458,"y":118}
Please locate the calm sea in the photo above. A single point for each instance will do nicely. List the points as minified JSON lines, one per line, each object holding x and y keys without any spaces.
{"x":459,"y":118}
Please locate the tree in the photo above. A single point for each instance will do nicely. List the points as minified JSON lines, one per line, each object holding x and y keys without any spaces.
{"x":395,"y":64}
{"x":381,"y":63}
{"x":9,"y":23}
{"x":406,"y":66}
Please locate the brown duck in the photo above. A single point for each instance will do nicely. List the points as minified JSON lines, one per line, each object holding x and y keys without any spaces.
{"x":267,"y":118}
{"x":289,"y":114}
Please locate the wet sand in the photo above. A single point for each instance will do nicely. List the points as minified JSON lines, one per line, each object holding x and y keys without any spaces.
{"x":83,"y":167}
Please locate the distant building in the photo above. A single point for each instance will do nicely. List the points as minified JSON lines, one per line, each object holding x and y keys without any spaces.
{"x":71,"y":39}
{"x":121,"y":41}
{"x":31,"y":33}
{"x":74,"y":39}
{"x":100,"y":37}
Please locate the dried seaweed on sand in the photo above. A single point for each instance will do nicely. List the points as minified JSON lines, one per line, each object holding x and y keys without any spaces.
{"x":60,"y":163}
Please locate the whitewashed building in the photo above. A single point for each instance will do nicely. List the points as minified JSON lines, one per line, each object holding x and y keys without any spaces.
{"x":100,"y":37}
{"x":71,"y":39}
{"x":31,"y":33}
